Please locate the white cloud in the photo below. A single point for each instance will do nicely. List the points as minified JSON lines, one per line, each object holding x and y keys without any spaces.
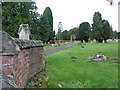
{"x":73,"y":12}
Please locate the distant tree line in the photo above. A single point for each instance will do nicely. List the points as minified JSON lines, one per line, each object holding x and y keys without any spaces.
{"x":41,"y":25}
{"x":16,"y":13}
{"x":99,"y":30}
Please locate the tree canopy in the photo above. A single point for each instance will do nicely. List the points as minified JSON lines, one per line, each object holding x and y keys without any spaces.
{"x":100,"y":28}
{"x":84,"y":31}
{"x":59,"y":34}
{"x":105,"y":30}
{"x":16,"y":13}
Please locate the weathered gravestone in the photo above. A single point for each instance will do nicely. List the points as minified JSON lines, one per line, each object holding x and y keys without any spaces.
{"x":94,"y":41}
{"x":24,"y":32}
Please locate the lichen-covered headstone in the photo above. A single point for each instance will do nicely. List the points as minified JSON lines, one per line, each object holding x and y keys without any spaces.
{"x":24,"y":32}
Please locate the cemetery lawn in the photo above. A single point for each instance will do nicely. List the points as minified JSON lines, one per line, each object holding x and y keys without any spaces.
{"x":62,"y":72}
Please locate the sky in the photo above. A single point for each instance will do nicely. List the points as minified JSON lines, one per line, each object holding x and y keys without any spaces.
{"x":73,"y":12}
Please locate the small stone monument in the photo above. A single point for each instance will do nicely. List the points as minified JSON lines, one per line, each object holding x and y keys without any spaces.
{"x":103,"y":41}
{"x":24,"y":32}
{"x":94,"y":41}
{"x":71,"y":38}
{"x":56,"y":44}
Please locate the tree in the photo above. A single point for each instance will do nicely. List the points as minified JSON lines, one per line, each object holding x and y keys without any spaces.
{"x":113,"y":34}
{"x":105,"y":30}
{"x":73,"y":31}
{"x":64,"y":35}
{"x":118,"y":35}
{"x":46,"y":25}
{"x":97,"y":27}
{"x":54,"y":33}
{"x":59,"y":34}
{"x":84,"y":31}
{"x":16,"y":13}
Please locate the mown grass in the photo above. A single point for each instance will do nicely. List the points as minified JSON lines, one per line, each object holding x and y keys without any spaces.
{"x":60,"y":69}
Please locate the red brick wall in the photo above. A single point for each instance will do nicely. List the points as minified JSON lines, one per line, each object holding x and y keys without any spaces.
{"x":24,"y":65}
{"x":7,"y":65}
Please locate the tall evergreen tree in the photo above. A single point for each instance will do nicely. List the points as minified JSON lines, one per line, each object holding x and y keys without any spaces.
{"x":16,"y":13}
{"x":64,"y":35}
{"x":59,"y":34}
{"x":46,"y":25}
{"x":73,"y":31}
{"x":105,"y":30}
{"x":97,"y":27}
{"x":84,"y":31}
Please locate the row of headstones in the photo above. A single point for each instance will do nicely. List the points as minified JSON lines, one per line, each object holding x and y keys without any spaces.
{"x":56,"y":45}
{"x":108,"y":40}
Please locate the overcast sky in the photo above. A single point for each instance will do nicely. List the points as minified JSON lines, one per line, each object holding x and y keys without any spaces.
{"x":73,"y":12}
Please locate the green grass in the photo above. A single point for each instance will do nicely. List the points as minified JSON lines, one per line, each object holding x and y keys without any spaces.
{"x":81,"y":73}
{"x":61,"y":45}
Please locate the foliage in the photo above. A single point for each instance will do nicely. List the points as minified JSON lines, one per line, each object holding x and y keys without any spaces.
{"x":118,"y":35}
{"x":73,"y":31}
{"x":84,"y":31}
{"x":59,"y":34}
{"x":105,"y":30}
{"x":46,"y":25}
{"x":64,"y":35}
{"x":97,"y":27}
{"x":16,"y":13}
{"x":113,"y":34}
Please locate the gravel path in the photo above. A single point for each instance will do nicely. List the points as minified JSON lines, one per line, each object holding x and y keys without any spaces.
{"x":48,"y":52}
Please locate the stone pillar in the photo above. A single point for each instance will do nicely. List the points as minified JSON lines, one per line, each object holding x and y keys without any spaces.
{"x":71,"y":38}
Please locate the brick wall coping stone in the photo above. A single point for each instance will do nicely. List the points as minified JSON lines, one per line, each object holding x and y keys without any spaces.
{"x":24,"y":44}
{"x":12,"y":46}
